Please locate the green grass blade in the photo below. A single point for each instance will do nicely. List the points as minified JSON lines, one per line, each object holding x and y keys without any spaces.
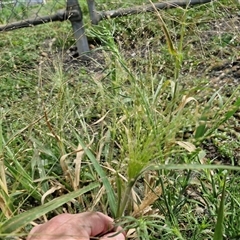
{"x":201,"y":130}
{"x":110,"y":193}
{"x":234,"y":108}
{"x":19,"y":173}
{"x":189,"y":167}
{"x":218,"y":233}
{"x":21,"y":220}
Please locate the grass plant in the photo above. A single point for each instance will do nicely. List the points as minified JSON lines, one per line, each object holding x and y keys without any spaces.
{"x":130,"y":134}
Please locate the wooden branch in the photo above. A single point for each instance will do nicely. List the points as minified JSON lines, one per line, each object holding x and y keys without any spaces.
{"x":60,"y":15}
{"x":98,"y":16}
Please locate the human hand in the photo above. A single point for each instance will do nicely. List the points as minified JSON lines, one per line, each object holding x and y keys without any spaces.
{"x":81,"y":226}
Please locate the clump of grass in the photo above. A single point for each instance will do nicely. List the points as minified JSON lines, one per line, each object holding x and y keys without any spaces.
{"x":126,"y":131}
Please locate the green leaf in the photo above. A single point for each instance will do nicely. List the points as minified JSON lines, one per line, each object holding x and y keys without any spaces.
{"x":21,"y":220}
{"x":110,"y":193}
{"x":233,"y":110}
{"x":218,"y":233}
{"x":189,"y":167}
{"x":201,"y":130}
{"x":20,"y":174}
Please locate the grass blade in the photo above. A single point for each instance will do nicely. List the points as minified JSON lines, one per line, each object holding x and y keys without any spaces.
{"x":21,"y":220}
{"x":233,"y":109}
{"x":189,"y":167}
{"x":110,"y":193}
{"x":218,"y":233}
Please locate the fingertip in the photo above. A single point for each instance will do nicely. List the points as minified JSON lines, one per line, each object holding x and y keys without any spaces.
{"x":33,"y":231}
